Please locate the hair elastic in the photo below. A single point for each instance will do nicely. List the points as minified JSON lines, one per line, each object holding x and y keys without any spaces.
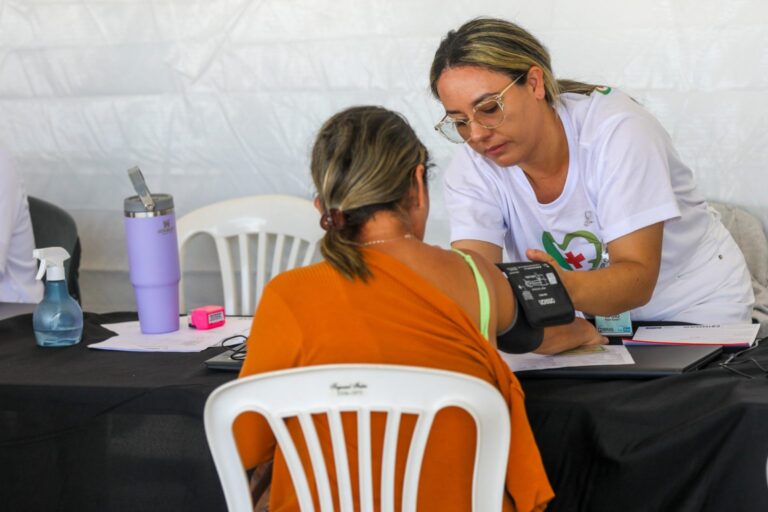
{"x":333,"y":219}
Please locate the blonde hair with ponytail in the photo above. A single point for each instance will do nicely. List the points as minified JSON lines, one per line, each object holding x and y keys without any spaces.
{"x":500,"y":46}
{"x":363,"y":161}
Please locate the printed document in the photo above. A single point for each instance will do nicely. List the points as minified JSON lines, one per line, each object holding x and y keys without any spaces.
{"x":733,"y":335}
{"x":186,"y":339}
{"x":582,"y":356}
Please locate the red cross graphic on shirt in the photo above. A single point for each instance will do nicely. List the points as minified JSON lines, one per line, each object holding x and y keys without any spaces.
{"x":575,"y":261}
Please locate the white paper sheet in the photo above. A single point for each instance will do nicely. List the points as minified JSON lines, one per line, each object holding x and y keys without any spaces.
{"x":587,"y":356}
{"x":733,"y":335}
{"x":130,"y":338}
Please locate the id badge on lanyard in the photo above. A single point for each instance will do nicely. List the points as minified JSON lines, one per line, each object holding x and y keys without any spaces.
{"x":614,"y":325}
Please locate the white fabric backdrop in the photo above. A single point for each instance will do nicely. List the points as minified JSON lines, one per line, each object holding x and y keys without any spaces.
{"x":220,"y":99}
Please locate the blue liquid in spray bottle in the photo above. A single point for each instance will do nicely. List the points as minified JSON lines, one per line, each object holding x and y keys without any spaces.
{"x":58,"y":318}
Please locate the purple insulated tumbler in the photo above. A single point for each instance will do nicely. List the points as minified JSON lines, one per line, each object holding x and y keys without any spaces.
{"x":153,"y":261}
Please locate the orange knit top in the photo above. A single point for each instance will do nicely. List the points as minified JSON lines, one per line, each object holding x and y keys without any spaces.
{"x":313,"y":315}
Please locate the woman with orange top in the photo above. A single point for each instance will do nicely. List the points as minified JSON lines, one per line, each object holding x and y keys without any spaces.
{"x":383,"y":296}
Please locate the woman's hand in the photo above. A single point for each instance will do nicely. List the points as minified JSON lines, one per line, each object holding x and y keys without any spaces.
{"x":626,"y":283}
{"x":543,"y":257}
{"x":578,"y":333}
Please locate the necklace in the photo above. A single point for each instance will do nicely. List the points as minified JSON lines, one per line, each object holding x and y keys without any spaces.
{"x":385,"y":240}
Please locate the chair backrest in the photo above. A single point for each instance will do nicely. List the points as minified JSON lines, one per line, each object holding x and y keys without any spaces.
{"x":285,"y":229}
{"x":363,"y":389}
{"x":54,"y":227}
{"x":749,"y":235}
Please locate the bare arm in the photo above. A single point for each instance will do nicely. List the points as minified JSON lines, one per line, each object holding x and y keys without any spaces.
{"x":628,"y":281}
{"x":502,"y":299}
{"x":487,"y":250}
{"x":556,"y":339}
{"x":565,"y":337}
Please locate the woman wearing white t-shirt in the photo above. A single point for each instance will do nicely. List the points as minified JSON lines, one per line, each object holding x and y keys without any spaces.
{"x":581,"y":177}
{"x":17,"y":266}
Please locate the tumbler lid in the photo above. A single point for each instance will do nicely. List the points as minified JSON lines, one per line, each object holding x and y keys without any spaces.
{"x":134,"y":207}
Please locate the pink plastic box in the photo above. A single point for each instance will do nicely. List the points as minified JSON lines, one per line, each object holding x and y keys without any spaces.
{"x":206,"y":317}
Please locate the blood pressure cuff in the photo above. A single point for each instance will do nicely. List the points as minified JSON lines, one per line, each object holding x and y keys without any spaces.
{"x":542,"y":301}
{"x":520,"y":338}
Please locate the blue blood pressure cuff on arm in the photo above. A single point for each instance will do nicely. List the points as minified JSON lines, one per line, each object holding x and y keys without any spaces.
{"x":542,"y":301}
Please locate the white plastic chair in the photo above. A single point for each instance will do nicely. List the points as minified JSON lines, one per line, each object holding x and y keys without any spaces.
{"x":333,"y":389}
{"x":288,"y":226}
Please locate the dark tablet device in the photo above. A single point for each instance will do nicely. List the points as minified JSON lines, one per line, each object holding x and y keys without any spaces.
{"x":225,"y":362}
{"x":650,"y":363}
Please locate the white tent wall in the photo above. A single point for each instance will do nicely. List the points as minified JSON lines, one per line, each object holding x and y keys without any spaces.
{"x":221,"y":99}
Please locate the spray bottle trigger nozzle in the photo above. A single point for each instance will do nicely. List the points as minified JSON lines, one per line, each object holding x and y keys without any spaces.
{"x":40,"y":271}
{"x":51,"y":261}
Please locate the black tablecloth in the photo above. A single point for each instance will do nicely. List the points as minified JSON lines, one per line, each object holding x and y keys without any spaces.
{"x":692,"y":442}
{"x":84,"y":429}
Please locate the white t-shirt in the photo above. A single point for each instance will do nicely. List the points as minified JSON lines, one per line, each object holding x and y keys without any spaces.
{"x":17,"y":266}
{"x":623,"y":175}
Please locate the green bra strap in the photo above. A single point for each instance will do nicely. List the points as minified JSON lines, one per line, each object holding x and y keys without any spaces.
{"x":482,"y":292}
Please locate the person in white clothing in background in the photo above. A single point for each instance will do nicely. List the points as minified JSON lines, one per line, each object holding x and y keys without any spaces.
{"x":17,"y":266}
{"x":581,"y":177}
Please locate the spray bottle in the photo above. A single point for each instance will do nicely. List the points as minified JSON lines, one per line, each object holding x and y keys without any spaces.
{"x":58,"y":319}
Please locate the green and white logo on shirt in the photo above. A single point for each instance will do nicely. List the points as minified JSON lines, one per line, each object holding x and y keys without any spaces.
{"x":574,"y":259}
{"x":603,"y":89}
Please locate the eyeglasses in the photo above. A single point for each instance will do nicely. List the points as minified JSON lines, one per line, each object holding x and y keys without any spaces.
{"x":731,"y":362}
{"x":489,"y":114}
